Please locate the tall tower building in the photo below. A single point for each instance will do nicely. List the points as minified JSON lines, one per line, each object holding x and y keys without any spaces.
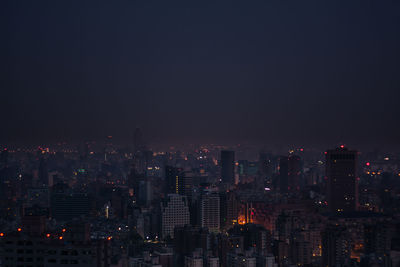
{"x":178,"y":181}
{"x":210,"y":211}
{"x":186,"y":185}
{"x":294,"y":172}
{"x":289,"y":173}
{"x":172,"y":177}
{"x":341,"y":172}
{"x":174,"y":212}
{"x":228,"y":166}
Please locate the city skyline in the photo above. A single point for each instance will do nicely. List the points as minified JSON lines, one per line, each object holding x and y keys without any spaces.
{"x":214,"y":133}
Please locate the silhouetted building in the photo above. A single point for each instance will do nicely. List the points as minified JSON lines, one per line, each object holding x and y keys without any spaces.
{"x":172,"y":177}
{"x":67,"y":205}
{"x":228,"y":166}
{"x":377,"y":238}
{"x":341,"y":172}
{"x":178,"y":181}
{"x":289,"y":173}
{"x":335,"y":246}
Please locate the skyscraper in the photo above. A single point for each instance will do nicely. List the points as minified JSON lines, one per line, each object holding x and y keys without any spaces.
{"x":178,"y":181}
{"x":210,"y":211}
{"x":294,"y":172}
{"x":174,"y":212}
{"x":341,"y":172}
{"x":172,"y":177}
{"x":289,"y":173}
{"x":228,"y":166}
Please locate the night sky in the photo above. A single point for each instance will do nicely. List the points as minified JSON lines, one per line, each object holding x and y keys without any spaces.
{"x":287,"y":71}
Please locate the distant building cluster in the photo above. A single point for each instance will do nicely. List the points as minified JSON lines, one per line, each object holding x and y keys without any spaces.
{"x":100,"y":204}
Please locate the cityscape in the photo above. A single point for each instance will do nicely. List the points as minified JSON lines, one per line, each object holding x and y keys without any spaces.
{"x":211,"y":205}
{"x":200,"y":133}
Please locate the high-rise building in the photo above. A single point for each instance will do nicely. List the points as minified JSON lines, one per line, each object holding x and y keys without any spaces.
{"x":228,"y":166}
{"x":294,"y":172}
{"x":229,"y":209}
{"x":178,"y":181}
{"x":265,"y":167}
{"x":210,"y":211}
{"x":289,"y":173}
{"x":172,"y":177}
{"x":67,"y":205}
{"x":335,"y":246}
{"x":145,"y":195}
{"x":174,"y":212}
{"x":341,"y":172}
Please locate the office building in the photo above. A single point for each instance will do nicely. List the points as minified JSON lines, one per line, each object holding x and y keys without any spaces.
{"x":228,"y":166}
{"x":341,"y":174}
{"x":174,"y":212}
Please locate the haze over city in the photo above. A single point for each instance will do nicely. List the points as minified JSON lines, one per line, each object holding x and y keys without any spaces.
{"x":150,"y":133}
{"x":299,"y":72}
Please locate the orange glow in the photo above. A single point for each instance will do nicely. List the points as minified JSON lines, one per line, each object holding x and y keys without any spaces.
{"x":60,"y":238}
{"x":19,"y":229}
{"x":358,"y":246}
{"x":109,"y":238}
{"x":47,"y":235}
{"x":241,"y":219}
{"x":1,"y":234}
{"x":356,"y":256}
{"x":64,"y":230}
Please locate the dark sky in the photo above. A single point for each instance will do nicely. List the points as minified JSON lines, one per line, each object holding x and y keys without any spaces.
{"x":287,"y":71}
